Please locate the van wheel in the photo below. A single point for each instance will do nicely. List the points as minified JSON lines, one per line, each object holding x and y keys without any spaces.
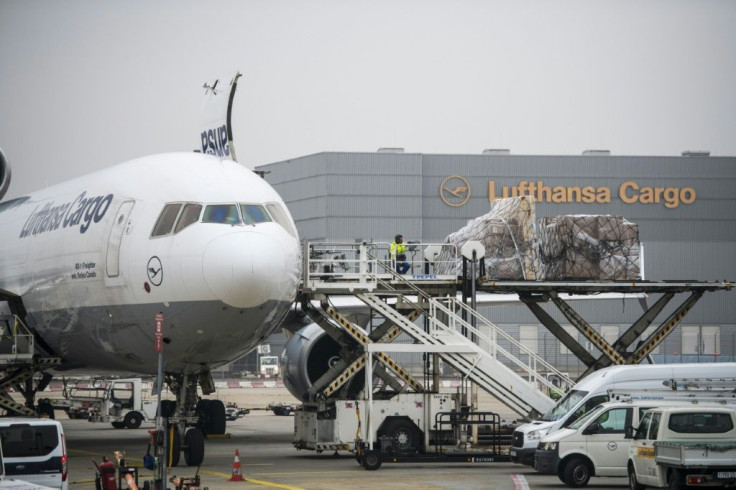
{"x":132,"y":420}
{"x":576,"y":473}
{"x":633,"y":484}
{"x":675,"y":480}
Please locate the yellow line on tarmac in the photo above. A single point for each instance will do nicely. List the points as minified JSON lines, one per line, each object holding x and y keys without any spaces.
{"x":257,"y":482}
{"x":309,"y":473}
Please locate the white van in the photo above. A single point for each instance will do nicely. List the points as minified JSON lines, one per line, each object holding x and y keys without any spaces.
{"x":34,"y":450}
{"x":592,"y":390}
{"x":595,"y":444}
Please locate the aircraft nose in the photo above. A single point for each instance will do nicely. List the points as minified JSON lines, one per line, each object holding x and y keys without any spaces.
{"x":247,"y":269}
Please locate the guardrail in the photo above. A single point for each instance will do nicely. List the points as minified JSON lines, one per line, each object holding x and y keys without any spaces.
{"x":364,"y":264}
{"x":16,"y":340}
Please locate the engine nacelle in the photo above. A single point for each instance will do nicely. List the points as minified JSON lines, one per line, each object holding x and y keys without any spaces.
{"x":4,"y":175}
{"x":308,"y":355}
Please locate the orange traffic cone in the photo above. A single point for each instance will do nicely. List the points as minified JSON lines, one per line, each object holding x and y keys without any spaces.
{"x":237,"y":475}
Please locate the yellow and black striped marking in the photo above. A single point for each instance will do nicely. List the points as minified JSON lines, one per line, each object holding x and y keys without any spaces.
{"x":659,"y":336}
{"x":348,"y":373}
{"x":357,"y":333}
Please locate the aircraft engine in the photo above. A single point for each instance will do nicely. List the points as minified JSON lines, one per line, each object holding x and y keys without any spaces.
{"x":308,"y":354}
{"x":4,"y":175}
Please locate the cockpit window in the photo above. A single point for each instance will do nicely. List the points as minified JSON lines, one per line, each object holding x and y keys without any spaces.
{"x":221,"y":213}
{"x":189,"y":215}
{"x":166,"y":219}
{"x":254,"y":213}
{"x":280,"y":216}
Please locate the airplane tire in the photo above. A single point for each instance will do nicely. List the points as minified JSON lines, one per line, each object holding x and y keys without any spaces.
{"x":216,"y":417}
{"x":194,"y":447}
{"x":133,"y":420}
{"x":168,"y":407}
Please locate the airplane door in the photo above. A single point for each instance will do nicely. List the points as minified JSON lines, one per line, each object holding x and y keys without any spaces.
{"x":112,"y":266}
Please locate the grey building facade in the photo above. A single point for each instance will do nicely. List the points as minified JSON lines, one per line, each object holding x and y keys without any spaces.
{"x":685,"y":207}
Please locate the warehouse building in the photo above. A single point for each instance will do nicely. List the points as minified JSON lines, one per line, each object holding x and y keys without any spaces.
{"x":685,"y":208}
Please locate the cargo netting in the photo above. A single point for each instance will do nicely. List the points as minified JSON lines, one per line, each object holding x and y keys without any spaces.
{"x":507,"y":233}
{"x":585,"y":247}
{"x":570,"y":247}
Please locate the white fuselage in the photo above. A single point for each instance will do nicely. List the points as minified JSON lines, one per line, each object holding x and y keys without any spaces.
{"x":92,"y":273}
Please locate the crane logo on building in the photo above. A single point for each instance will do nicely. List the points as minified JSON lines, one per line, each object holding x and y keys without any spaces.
{"x":455,"y":190}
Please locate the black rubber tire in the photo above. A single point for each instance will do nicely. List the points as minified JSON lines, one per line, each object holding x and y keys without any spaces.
{"x":576,"y":473}
{"x":194,"y":447}
{"x":675,"y":480}
{"x":403,"y":435}
{"x":168,"y":407}
{"x":371,"y":460}
{"x":203,"y":417}
{"x":132,"y":420}
{"x":216,"y":415}
{"x":118,"y":425}
{"x":633,"y":484}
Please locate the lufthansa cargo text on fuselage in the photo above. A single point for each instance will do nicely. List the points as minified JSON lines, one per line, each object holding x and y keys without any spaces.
{"x":82,"y":211}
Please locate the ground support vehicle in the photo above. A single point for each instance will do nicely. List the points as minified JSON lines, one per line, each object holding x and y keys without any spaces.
{"x":448,"y":442}
{"x":595,"y":445}
{"x":677,"y":447}
{"x":409,"y":427}
{"x":234,"y":413}
{"x":282,"y":408}
{"x":34,"y":450}
{"x":599,"y":386}
{"x":119,"y":401}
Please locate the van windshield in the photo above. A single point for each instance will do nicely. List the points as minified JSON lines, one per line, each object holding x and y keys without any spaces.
{"x":564,"y":406}
{"x":584,"y":419}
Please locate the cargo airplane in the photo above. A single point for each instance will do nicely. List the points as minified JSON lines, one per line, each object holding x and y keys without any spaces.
{"x":202,"y":240}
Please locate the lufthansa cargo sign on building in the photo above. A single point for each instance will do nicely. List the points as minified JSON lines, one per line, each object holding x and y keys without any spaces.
{"x":455,"y":191}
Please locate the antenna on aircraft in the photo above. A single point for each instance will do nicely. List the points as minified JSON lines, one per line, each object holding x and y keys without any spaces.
{"x":207,"y":88}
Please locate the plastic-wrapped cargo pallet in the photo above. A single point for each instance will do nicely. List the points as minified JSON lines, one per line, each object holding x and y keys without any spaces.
{"x":588,"y":247}
{"x":507,"y":233}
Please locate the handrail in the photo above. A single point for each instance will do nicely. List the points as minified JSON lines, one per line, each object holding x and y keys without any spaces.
{"x":23,"y":341}
{"x":530,"y":369}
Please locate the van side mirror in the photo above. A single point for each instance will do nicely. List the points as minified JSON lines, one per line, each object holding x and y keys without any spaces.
{"x":629,"y":432}
{"x":593,"y":428}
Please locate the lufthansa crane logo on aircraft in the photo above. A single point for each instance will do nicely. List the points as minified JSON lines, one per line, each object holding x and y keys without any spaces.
{"x":455,"y":190}
{"x":155,"y":271}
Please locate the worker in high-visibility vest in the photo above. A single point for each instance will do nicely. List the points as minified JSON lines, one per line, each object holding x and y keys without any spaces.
{"x":397,"y":251}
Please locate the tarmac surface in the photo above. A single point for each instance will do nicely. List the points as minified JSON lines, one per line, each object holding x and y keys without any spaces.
{"x":268,"y":459}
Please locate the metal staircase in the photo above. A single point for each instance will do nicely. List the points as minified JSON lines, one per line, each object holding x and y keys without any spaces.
{"x":512,"y":374}
{"x":483,"y":367}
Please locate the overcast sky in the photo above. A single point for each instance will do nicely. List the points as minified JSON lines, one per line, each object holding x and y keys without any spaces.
{"x":87,"y":84}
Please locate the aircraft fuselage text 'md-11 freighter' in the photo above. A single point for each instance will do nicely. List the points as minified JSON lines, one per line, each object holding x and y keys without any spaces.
{"x":204,"y":241}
